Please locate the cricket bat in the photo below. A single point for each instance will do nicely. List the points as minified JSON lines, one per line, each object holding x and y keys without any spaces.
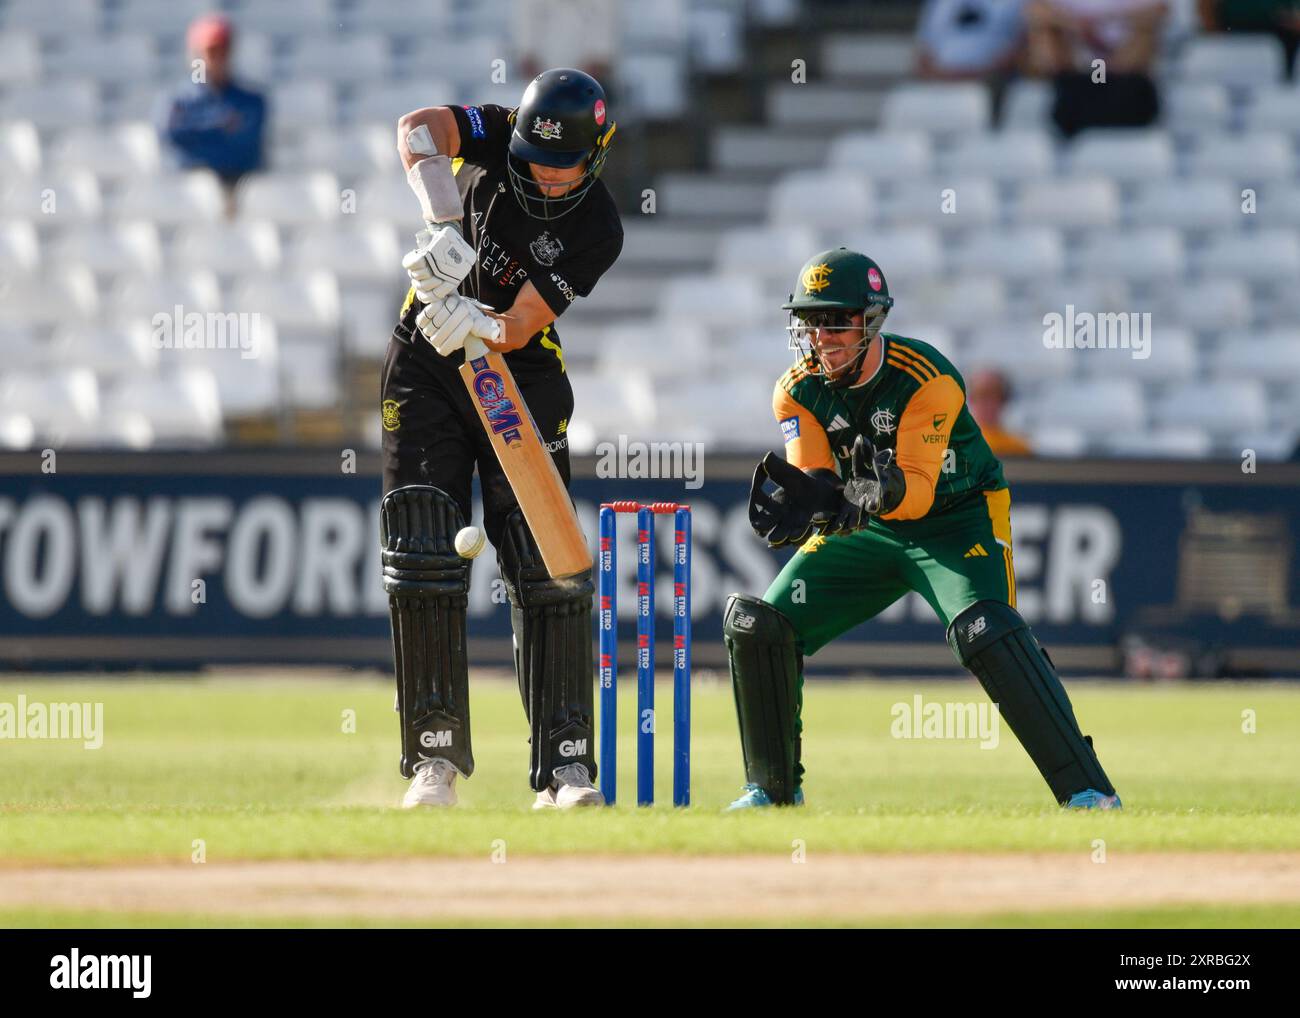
{"x":524,"y":459}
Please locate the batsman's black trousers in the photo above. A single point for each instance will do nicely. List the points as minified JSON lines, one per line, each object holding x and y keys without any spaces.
{"x":432,"y":433}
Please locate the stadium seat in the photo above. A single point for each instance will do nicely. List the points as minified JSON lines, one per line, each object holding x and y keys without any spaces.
{"x":55,"y":19}
{"x":938,"y":108}
{"x":1280,"y":203}
{"x":1095,"y":293}
{"x":108,"y":350}
{"x":358,"y":56}
{"x":22,"y":347}
{"x":1124,"y":155}
{"x":352,"y":251}
{"x":20,"y":249}
{"x":303,"y":103}
{"x":181,"y":409}
{"x":1205,"y":305}
{"x":1149,"y":254}
{"x":1271,"y":357}
{"x":883,"y":155}
{"x":1193,"y":107}
{"x":821,"y":199}
{"x":163,"y":17}
{"x":1244,"y":60}
{"x":384,"y":103}
{"x":721,"y":301}
{"x":1026,"y":253}
{"x":177,"y":199}
{"x":306,"y":300}
{"x":1185,"y":442}
{"x":247,"y":378}
{"x":1220,"y":407}
{"x":1013,"y":154}
{"x":72,"y":197}
{"x":228,"y":247}
{"x":716,"y":39}
{"x":291,"y":199}
{"x":17,"y":431}
{"x":771,"y":254}
{"x":653,"y":83}
{"x":944,"y":202}
{"x":1057,"y":441}
{"x":1095,"y":407}
{"x":20,"y":149}
{"x":111,"y":248}
{"x":1070,"y":202}
{"x":1019,"y":352}
{"x":666,"y":348}
{"x":960,"y":302}
{"x":387,"y":198}
{"x":55,"y":400}
{"x":43,"y":299}
{"x":1245,"y":159}
{"x":292,"y":18}
{"x":113,"y":152}
{"x":1027,"y":104}
{"x":1274,"y":109}
{"x":607,"y":406}
{"x":356,"y":151}
{"x":904,"y":253}
{"x":1202,"y":203}
{"x":20,"y":58}
{"x":1173,"y":357}
{"x":193,"y":290}
{"x":108,"y":59}
{"x":53,"y":105}
{"x":1261,"y":256}
{"x":426,"y":19}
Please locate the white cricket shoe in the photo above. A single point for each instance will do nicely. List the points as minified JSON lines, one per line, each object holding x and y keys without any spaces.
{"x":434,"y":784}
{"x":572,"y":787}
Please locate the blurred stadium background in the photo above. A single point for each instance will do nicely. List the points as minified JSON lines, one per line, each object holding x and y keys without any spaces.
{"x":729,"y":169}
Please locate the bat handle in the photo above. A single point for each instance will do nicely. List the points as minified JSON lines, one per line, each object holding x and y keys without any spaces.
{"x":474,"y":348}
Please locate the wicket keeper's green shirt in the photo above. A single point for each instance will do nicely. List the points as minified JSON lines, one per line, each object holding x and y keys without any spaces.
{"x":915,"y":404}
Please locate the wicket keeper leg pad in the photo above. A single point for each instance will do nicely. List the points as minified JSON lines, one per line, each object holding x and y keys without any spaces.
{"x":765,"y":668}
{"x":992,"y":640}
{"x":428,"y":595}
{"x":552,"y":619}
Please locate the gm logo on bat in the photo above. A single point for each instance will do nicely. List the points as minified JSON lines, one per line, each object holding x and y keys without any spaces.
{"x":501,"y":412}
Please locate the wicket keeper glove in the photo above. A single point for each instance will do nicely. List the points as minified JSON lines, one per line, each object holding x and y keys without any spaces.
{"x":875,"y":485}
{"x":438,"y":266}
{"x":786,"y":504}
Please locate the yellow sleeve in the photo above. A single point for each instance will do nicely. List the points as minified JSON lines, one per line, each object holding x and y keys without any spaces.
{"x":923,"y":433}
{"x":806,"y":444}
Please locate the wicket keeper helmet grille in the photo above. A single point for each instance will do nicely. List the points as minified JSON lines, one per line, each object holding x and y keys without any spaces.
{"x":561,"y":121}
{"x":832,"y":287}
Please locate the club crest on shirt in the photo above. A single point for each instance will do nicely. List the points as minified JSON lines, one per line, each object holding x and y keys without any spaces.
{"x":883,"y":421}
{"x":546,"y":249}
{"x":546,"y":129}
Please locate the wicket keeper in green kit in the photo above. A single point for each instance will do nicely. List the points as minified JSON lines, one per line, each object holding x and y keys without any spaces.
{"x":888,"y":487}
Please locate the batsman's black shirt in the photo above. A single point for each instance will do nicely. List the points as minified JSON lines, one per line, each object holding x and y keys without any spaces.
{"x":562,"y":257}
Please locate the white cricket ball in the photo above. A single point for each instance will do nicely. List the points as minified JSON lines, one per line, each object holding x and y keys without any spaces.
{"x":470,"y":541}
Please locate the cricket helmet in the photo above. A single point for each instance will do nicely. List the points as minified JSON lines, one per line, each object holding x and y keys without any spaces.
{"x":561,"y":121}
{"x":834,"y":287}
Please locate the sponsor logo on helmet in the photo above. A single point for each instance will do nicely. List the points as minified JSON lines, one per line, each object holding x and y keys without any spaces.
{"x":790,"y":428}
{"x":475,"y":115}
{"x":546,"y":249}
{"x":874,"y":280}
{"x":817,"y":278}
{"x":546,"y":129}
{"x":392,"y":414}
{"x":598,"y":111}
{"x":883,"y":421}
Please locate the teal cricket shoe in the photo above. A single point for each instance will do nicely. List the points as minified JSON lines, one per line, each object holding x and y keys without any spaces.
{"x":1090,"y":798}
{"x":755,"y":797}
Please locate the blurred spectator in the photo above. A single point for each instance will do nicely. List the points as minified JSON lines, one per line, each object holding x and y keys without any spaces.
{"x":978,"y":39}
{"x":1067,"y":39}
{"x":566,"y":33}
{"x":1279,"y":17}
{"x":210,"y":121}
{"x":987,"y":394}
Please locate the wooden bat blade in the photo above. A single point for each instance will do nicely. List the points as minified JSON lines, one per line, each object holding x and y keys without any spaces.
{"x":526,"y":463}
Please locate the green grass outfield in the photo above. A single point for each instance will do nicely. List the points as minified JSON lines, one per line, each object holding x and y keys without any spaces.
{"x":264,"y":770}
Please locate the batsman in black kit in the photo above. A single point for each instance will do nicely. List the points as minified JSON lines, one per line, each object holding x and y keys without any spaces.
{"x":519,"y":226}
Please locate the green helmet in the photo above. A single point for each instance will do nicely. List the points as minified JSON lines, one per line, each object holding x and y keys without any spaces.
{"x":833,"y":287}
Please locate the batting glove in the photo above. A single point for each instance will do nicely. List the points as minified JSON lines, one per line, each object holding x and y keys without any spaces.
{"x":448,"y":321}
{"x":438,"y":266}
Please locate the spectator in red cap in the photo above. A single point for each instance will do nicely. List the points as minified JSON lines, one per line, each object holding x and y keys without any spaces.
{"x":211,"y":122}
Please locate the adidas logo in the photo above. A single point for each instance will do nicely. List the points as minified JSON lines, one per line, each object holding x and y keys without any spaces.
{"x":976,"y":552}
{"x":837,"y":423}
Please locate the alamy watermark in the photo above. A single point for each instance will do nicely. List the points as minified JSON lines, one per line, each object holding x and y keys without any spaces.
{"x":682,"y":461}
{"x":24,"y":719}
{"x":1107,"y":330}
{"x":179,"y":329}
{"x":946,"y":719}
